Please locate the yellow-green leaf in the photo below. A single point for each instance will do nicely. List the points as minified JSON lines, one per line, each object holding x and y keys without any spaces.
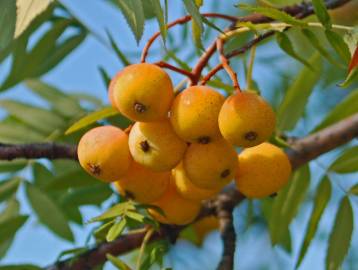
{"x":322,"y":13}
{"x":116,"y":230}
{"x":347,"y":162}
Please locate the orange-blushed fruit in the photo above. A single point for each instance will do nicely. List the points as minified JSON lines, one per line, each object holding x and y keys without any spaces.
{"x":142,"y":92}
{"x":194,"y":114}
{"x":246,"y":119}
{"x":210,"y":166}
{"x":156,"y":145}
{"x":104,"y":153}
{"x":142,"y":184}
{"x":263,"y":170}
{"x":187,"y":189}
{"x":177,"y":210}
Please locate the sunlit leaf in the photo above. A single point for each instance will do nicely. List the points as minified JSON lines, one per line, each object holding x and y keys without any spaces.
{"x":347,"y":107}
{"x":116,"y":230}
{"x":118,"y":263}
{"x":91,"y":118}
{"x":322,"y":13}
{"x":347,"y":162}
{"x":27,"y":10}
{"x":323,"y":194}
{"x":48,"y":212}
{"x":115,"y":211}
{"x":293,"y":105}
{"x":340,"y":238}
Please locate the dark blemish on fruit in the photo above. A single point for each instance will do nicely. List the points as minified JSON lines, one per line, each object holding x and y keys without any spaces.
{"x":250,"y":136}
{"x":139,"y":107}
{"x":129,"y":195}
{"x":95,"y":169}
{"x":204,"y":140}
{"x":225,"y":173}
{"x":144,"y":145}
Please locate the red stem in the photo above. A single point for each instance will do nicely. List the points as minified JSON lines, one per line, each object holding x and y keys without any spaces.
{"x":176,"y":69}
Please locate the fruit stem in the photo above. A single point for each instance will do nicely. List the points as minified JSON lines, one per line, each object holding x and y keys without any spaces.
{"x":163,"y":64}
{"x":226,"y":64}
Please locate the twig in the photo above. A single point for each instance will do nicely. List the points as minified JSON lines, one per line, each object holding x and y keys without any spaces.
{"x":225,"y":63}
{"x":176,"y":69}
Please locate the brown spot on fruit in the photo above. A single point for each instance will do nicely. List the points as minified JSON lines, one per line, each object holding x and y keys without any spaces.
{"x":129,"y":195}
{"x":251,"y":136}
{"x":225,"y":173}
{"x":139,"y":107}
{"x":144,"y":145}
{"x":95,"y":169}
{"x":204,"y":139}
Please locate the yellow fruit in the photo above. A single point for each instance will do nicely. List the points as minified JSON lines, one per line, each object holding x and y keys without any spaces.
{"x":212,"y":165}
{"x":142,"y":184}
{"x":143,"y":92}
{"x":246,"y":119}
{"x":155,"y":145}
{"x":194,"y":114}
{"x":205,"y":226}
{"x":187,"y":189}
{"x":111,"y":90}
{"x":263,"y":170}
{"x":104,"y":153}
{"x":177,"y":210}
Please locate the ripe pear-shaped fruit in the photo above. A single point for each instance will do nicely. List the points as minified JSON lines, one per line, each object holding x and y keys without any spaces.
{"x":263,"y":170}
{"x":187,"y":189}
{"x":142,"y":92}
{"x":210,"y":166}
{"x":104,"y":153}
{"x":142,"y":184}
{"x":246,"y":119}
{"x":194,"y":114}
{"x":155,"y":145}
{"x":111,"y":90}
{"x":177,"y":209}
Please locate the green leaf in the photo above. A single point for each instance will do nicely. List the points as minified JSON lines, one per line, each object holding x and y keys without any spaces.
{"x":274,"y":14}
{"x":158,"y":11}
{"x":121,"y":56}
{"x":293,"y":105}
{"x":13,"y":165}
{"x":105,"y":77}
{"x":92,"y":195}
{"x":338,"y":45}
{"x":10,"y":226}
{"x":8,"y":188}
{"x":48,"y":212}
{"x":118,"y":263}
{"x":322,"y":13}
{"x":42,"y":176}
{"x":352,"y":77}
{"x":286,"y":45}
{"x":73,"y":214}
{"x":134,"y":14}
{"x":101,"y":232}
{"x":20,"y":267}
{"x":71,"y":179}
{"x":115,"y":211}
{"x":11,"y":210}
{"x":340,"y":238}
{"x":354,"y":190}
{"x":116,"y":230}
{"x":27,"y":10}
{"x":15,"y":132}
{"x":40,"y":119}
{"x":63,"y":104}
{"x":91,"y":118}
{"x":315,"y":42}
{"x":197,"y":25}
{"x":323,"y":194}
{"x":135,"y":216}
{"x":287,"y":203}
{"x":8,"y":18}
{"x":346,"y":108}
{"x":347,"y":162}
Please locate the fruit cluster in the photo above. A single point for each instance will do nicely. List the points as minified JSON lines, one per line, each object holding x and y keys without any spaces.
{"x":181,"y":149}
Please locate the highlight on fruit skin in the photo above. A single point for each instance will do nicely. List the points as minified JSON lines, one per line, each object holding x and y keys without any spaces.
{"x":104,"y":153}
{"x":142,"y":92}
{"x":156,"y":145}
{"x":194,"y":114}
{"x":142,"y":184}
{"x":210,"y":166}
{"x":187,"y":189}
{"x":177,"y":210}
{"x":246,"y":119}
{"x":263,"y":170}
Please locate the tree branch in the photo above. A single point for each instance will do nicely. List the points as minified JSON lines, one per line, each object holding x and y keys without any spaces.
{"x":302,"y":151}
